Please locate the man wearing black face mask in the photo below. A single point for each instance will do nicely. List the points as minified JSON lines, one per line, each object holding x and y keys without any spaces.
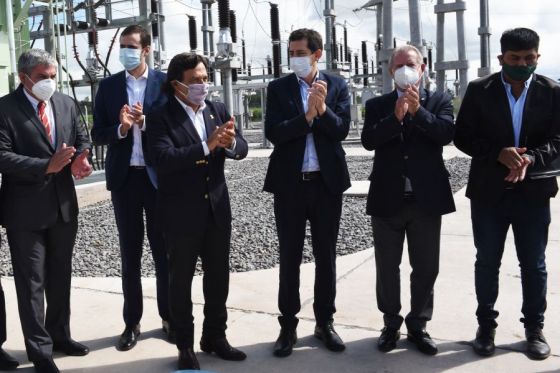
{"x":121,"y":104}
{"x":189,"y":140}
{"x":509,"y":123}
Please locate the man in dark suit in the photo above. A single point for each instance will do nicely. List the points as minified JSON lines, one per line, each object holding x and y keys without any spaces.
{"x":189,"y":139}
{"x":409,"y":192}
{"x":307,"y":117}
{"x":7,"y":362}
{"x":42,"y":145}
{"x":509,"y":123}
{"x":121,"y":104}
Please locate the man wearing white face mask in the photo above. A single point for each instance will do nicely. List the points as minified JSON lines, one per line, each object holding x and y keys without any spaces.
{"x":307,"y":117}
{"x":409,"y":192}
{"x":43,"y":143}
{"x":122,"y":102}
{"x":189,"y":140}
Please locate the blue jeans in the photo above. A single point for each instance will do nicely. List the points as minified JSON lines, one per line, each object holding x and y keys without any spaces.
{"x":530,"y":229}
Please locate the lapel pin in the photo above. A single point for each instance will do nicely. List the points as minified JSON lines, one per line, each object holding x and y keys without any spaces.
{"x":211,"y":116}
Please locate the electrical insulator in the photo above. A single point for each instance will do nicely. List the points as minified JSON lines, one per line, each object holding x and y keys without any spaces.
{"x":233,"y":26}
{"x":192,"y":33}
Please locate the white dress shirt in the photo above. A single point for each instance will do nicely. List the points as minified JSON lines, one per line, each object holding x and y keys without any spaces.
{"x":310,"y":157}
{"x":197,"y":118}
{"x":136,"y":91}
{"x":48,"y":109}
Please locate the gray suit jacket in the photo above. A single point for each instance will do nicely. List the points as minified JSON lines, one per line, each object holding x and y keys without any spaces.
{"x":30,"y":199}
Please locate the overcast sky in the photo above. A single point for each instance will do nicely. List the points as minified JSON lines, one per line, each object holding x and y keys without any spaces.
{"x":253,"y":20}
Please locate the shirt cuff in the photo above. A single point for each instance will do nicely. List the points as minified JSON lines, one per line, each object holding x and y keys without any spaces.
{"x":231,"y":149}
{"x":143,"y":128}
{"x":205,"y":148}
{"x":119,"y":132}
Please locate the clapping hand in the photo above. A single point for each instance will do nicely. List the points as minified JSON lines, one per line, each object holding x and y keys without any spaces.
{"x":223,"y":136}
{"x":60,"y":159}
{"x":80,"y":166}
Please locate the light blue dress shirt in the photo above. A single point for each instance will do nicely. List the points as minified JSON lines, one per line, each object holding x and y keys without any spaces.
{"x":310,"y":159}
{"x":516,"y":107}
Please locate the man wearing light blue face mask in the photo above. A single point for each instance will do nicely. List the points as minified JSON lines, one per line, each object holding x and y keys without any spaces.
{"x":121,"y":104}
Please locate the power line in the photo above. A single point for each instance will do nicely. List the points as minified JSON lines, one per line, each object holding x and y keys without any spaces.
{"x":257,"y":18}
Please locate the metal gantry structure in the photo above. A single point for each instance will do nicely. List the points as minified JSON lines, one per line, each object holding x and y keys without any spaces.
{"x":233,"y":76}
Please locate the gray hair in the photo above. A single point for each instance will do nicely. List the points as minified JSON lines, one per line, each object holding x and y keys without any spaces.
{"x":31,"y":58}
{"x":405,"y":49}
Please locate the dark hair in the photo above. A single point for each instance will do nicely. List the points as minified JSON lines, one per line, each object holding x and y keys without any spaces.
{"x":178,"y":65}
{"x":314,"y":39}
{"x":519,"y":39}
{"x":145,"y":38}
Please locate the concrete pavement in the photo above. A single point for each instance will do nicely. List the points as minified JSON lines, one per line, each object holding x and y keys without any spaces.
{"x":97,"y":321}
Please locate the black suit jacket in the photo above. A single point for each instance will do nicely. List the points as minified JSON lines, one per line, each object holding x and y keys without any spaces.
{"x":484,"y":127}
{"x":412,"y":149}
{"x":110,"y":98}
{"x":30,"y":199}
{"x":187,"y":179}
{"x":287,"y":129}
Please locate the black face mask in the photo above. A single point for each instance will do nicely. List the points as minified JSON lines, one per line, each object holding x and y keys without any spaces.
{"x":518,"y":73}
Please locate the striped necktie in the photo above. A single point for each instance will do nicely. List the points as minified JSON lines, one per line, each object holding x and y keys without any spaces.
{"x":44,"y":118}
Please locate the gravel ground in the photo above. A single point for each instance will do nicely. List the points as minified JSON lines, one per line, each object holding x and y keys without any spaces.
{"x":254,"y":241}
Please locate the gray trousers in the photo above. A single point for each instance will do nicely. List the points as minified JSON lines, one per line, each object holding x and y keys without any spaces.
{"x":422,"y":232}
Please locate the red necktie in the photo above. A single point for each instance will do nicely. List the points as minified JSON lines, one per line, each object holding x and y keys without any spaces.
{"x":44,"y":118}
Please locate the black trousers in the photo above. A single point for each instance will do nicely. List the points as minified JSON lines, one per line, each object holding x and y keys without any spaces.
{"x":136,"y":197}
{"x":212,"y":246}
{"x":42,"y":263}
{"x":314,"y":202}
{"x":422,"y":232}
{"x":2,"y":316}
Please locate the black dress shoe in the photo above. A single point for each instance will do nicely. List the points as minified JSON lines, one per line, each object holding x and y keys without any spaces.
{"x":71,"y":348}
{"x":285,"y":343}
{"x":45,"y":366}
{"x":169,"y":331}
{"x":6,"y":361}
{"x":484,"y":341}
{"x":187,"y":359}
{"x":537,"y":347}
{"x":330,"y":338}
{"x":423,"y":341}
{"x":222,"y":348}
{"x":388,"y":339}
{"x":128,"y":338}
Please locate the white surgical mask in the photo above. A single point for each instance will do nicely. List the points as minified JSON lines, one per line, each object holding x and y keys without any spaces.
{"x":43,"y":89}
{"x":406,"y":76}
{"x":301,"y":66}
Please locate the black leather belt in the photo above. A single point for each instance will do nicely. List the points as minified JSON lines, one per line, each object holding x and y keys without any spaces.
{"x":138,"y":167}
{"x":409,"y":197}
{"x":308,"y":176}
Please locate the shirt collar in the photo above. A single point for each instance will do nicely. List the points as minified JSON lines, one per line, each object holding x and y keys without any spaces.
{"x":189,"y":109}
{"x":507,"y":85}
{"x":34,"y":102}
{"x":302,"y":81}
{"x":143,"y":76}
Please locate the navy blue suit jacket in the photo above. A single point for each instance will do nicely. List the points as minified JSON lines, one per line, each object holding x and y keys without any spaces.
{"x":287,"y":128}
{"x":413,"y":149}
{"x":188,"y":181}
{"x":110,"y":98}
